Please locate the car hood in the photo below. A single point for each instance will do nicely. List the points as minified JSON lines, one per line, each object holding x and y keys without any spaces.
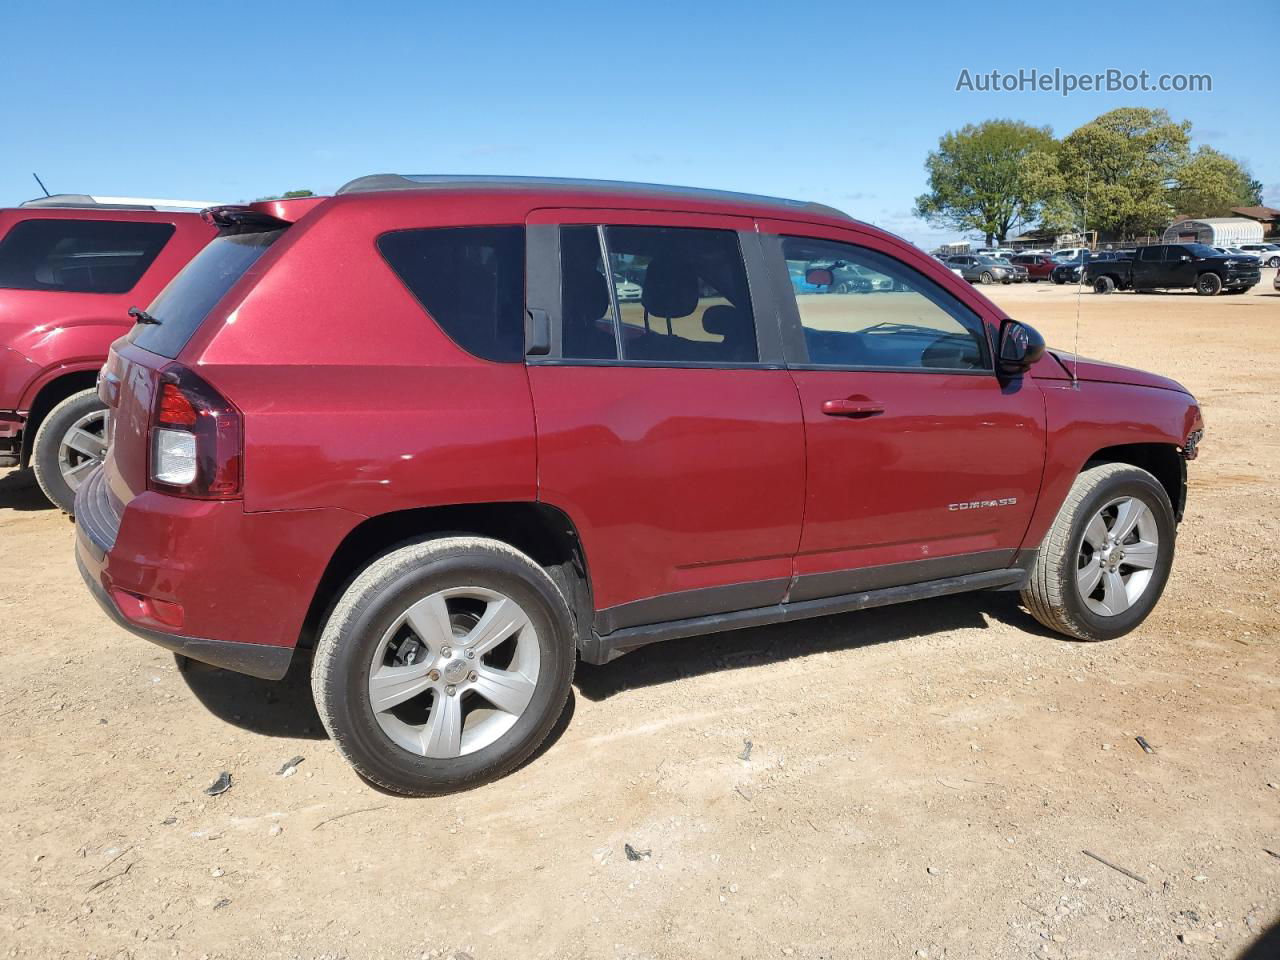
{"x":1060,"y":365}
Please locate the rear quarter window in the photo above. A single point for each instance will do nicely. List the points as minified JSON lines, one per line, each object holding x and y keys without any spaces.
{"x":194,"y":292}
{"x":79,"y":256}
{"x":470,"y":280}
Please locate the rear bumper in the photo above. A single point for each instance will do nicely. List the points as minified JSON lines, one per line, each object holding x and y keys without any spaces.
{"x":205,"y":578}
{"x":255,"y":659}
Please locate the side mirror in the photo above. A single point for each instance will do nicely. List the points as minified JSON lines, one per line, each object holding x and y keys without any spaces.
{"x":1020,"y":347}
{"x":818,"y":278}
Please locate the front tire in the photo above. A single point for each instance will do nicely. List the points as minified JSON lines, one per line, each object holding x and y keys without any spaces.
{"x":71,"y":441}
{"x":1059,"y":280}
{"x":986,"y":277}
{"x":1208,"y":284}
{"x":1106,"y":559}
{"x":444,"y":665}
{"x":1274,"y":262}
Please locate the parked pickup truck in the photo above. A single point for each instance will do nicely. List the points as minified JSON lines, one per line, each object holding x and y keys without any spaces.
{"x":1175,"y":265}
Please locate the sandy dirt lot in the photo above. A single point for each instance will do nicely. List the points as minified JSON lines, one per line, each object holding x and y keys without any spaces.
{"x":922,"y":780}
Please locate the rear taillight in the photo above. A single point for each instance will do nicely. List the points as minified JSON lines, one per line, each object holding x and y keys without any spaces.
{"x":196,"y":439}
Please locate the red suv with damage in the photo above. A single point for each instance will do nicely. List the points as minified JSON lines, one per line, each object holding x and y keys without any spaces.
{"x":450,"y":435}
{"x":71,"y":266}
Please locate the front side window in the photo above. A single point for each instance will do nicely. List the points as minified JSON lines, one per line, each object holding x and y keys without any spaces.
{"x":470,"y":280}
{"x":860,"y":308}
{"x":79,"y":256}
{"x":673,"y":294}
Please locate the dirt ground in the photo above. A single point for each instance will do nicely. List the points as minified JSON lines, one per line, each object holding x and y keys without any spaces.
{"x":921,"y":780}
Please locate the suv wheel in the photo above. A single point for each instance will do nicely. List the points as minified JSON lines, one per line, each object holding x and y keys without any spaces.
{"x":1208,"y":284}
{"x":1107,"y":556}
{"x":1274,"y":262}
{"x":986,"y":277}
{"x":71,"y":441}
{"x":444,"y":665}
{"x":1103,"y":285}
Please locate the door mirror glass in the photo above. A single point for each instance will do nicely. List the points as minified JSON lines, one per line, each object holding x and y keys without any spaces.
{"x":1020,"y":347}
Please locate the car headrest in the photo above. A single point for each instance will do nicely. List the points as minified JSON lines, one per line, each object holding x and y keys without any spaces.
{"x":586,"y":295}
{"x":670,"y":288}
{"x":724,"y":321}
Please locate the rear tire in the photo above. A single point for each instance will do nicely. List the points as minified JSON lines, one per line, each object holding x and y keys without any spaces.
{"x":1104,"y":285}
{"x":1208,"y":284}
{"x":1068,"y":563}
{"x":70,"y":441}
{"x":416,"y":617}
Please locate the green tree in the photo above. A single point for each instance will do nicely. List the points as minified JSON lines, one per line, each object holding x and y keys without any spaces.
{"x":1114,"y":173}
{"x":1211,"y":183}
{"x":977,"y":179}
{"x":287,"y":195}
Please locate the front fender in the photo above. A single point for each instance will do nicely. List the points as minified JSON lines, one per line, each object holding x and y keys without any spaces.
{"x":1086,"y":417}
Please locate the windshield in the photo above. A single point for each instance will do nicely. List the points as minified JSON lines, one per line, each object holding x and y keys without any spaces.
{"x":193,"y":293}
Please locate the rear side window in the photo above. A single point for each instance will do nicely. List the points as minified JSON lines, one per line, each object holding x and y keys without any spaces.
{"x":79,"y":256}
{"x":470,"y":280}
{"x":664,"y":294}
{"x":187,"y":300}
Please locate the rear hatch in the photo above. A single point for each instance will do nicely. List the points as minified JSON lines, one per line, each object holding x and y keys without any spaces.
{"x":210,"y":286}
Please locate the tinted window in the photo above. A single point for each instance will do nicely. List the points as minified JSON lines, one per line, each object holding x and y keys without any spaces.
{"x":470,"y":280}
{"x":1196,"y":250}
{"x":681,"y":294}
{"x":79,"y":256}
{"x":586,"y":308}
{"x":196,"y":290}
{"x":1150,"y":253}
{"x":860,"y":308}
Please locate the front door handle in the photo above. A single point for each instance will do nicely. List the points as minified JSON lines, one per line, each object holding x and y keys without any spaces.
{"x":855,"y":407}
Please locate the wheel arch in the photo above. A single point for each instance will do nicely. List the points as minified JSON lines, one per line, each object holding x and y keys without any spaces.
{"x":1163,"y":461}
{"x":49,"y":396}
{"x":543,"y":532}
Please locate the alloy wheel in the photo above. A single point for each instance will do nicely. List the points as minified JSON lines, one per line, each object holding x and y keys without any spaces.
{"x":1117,"y":556}
{"x":454,"y":672}
{"x":83,"y":447}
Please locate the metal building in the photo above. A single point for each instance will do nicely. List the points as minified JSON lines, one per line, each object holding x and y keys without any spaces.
{"x":1215,"y":231}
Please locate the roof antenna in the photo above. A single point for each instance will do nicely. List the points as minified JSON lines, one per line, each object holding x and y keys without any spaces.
{"x":1084,"y":262}
{"x":41,"y":182}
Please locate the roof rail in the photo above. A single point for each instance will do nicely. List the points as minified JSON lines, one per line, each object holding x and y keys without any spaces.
{"x":394,"y":181}
{"x":117,"y":203}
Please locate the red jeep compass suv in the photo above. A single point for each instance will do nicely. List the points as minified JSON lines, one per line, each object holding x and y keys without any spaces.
{"x":71,"y":266}
{"x":429,"y":427}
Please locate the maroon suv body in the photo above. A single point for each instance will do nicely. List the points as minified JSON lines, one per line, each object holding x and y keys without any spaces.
{"x":70,"y":268}
{"x":454,"y":433}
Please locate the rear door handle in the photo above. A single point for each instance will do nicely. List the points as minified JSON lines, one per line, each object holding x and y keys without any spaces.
{"x":855,"y":408}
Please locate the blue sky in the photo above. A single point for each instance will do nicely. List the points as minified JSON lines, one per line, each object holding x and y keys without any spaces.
{"x":831,"y":102}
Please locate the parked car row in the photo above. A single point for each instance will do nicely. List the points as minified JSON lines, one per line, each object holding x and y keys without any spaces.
{"x":507,"y":472}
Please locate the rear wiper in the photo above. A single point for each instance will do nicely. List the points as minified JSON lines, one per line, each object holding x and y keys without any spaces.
{"x":141,"y":316}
